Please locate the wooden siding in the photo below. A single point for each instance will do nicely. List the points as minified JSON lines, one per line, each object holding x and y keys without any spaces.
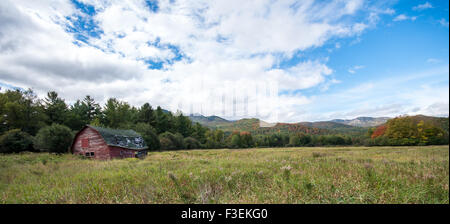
{"x":96,"y":144}
{"x":117,"y":152}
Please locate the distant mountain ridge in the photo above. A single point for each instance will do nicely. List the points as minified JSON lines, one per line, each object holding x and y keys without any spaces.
{"x":363,"y":121}
{"x":214,"y":121}
{"x":357,"y":126}
{"x":209,"y":121}
{"x":257,"y":126}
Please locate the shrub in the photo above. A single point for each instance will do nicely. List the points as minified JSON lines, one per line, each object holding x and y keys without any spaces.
{"x":15,"y":141}
{"x":55,"y":138}
{"x":191,"y":143}
{"x":210,"y":143}
{"x":176,"y":141}
{"x":179,"y":141}
{"x":166,"y":143}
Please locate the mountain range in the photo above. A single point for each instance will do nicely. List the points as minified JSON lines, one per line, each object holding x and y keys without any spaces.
{"x":357,"y":126}
{"x":255,"y":126}
{"x":363,"y":121}
{"x":210,"y":121}
{"x":214,"y":121}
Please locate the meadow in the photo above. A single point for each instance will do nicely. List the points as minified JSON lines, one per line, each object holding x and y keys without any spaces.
{"x":270,"y":175}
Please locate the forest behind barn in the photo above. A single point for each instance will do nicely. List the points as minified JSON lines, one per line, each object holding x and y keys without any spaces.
{"x":28,"y":123}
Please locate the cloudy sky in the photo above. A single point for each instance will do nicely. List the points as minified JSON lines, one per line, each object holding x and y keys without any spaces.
{"x":284,"y":60}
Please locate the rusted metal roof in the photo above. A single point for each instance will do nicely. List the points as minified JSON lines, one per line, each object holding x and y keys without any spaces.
{"x":121,"y":138}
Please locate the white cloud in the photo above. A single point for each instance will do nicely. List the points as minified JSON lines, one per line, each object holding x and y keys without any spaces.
{"x":230,"y":50}
{"x":423,"y":6}
{"x":355,"y":68}
{"x":374,"y":15}
{"x":403,"y":17}
{"x":38,"y":52}
{"x":388,"y":11}
{"x":325,"y":86}
{"x":443,"y":22}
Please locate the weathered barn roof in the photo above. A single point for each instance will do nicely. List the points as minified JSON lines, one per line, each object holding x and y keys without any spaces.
{"x":121,"y":138}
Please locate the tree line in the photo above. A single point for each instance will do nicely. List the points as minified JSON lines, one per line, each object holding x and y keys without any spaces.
{"x":28,"y":123}
{"x":411,"y":130}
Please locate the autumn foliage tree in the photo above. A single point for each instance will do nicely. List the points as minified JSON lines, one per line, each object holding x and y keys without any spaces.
{"x":379,"y":131}
{"x":409,"y":130}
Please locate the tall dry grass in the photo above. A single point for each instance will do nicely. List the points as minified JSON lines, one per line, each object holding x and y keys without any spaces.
{"x":272,"y":175}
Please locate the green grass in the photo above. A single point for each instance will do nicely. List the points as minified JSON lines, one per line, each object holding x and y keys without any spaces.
{"x":273,"y":175}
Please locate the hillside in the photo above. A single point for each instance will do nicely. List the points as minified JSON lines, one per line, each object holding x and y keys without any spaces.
{"x":441,"y":122}
{"x":256,"y":126}
{"x":363,"y":121}
{"x":358,"y":126}
{"x":336,"y":127}
{"x":209,"y":121}
{"x":213,"y":121}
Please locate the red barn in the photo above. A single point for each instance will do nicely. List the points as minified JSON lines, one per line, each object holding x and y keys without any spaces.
{"x":105,"y":143}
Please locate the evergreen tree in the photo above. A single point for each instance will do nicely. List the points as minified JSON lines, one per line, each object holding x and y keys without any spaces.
{"x":199,"y":132}
{"x":162,"y":121}
{"x":183,"y":125}
{"x":118,"y":114}
{"x":55,"y":108}
{"x":91,"y":109}
{"x":147,"y":115}
{"x":83,"y":112}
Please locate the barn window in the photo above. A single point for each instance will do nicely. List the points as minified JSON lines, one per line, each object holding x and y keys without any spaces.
{"x":89,"y":154}
{"x":85,"y":143}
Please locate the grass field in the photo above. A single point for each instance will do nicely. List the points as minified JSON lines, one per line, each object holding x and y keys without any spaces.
{"x":273,"y":175}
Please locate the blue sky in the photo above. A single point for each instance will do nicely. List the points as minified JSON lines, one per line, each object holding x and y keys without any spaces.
{"x":286,"y":61}
{"x":392,"y":49}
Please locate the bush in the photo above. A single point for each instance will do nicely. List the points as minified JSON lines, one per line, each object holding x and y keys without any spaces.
{"x":176,"y":141}
{"x":179,"y":141}
{"x":15,"y":141}
{"x":55,"y":138}
{"x":191,"y":143}
{"x":166,"y":144}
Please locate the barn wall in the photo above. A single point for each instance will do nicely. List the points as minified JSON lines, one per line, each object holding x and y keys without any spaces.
{"x":96,"y":144}
{"x":115,"y":152}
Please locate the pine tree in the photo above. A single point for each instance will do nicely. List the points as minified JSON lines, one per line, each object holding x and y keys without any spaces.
{"x":147,"y":115}
{"x":55,"y":108}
